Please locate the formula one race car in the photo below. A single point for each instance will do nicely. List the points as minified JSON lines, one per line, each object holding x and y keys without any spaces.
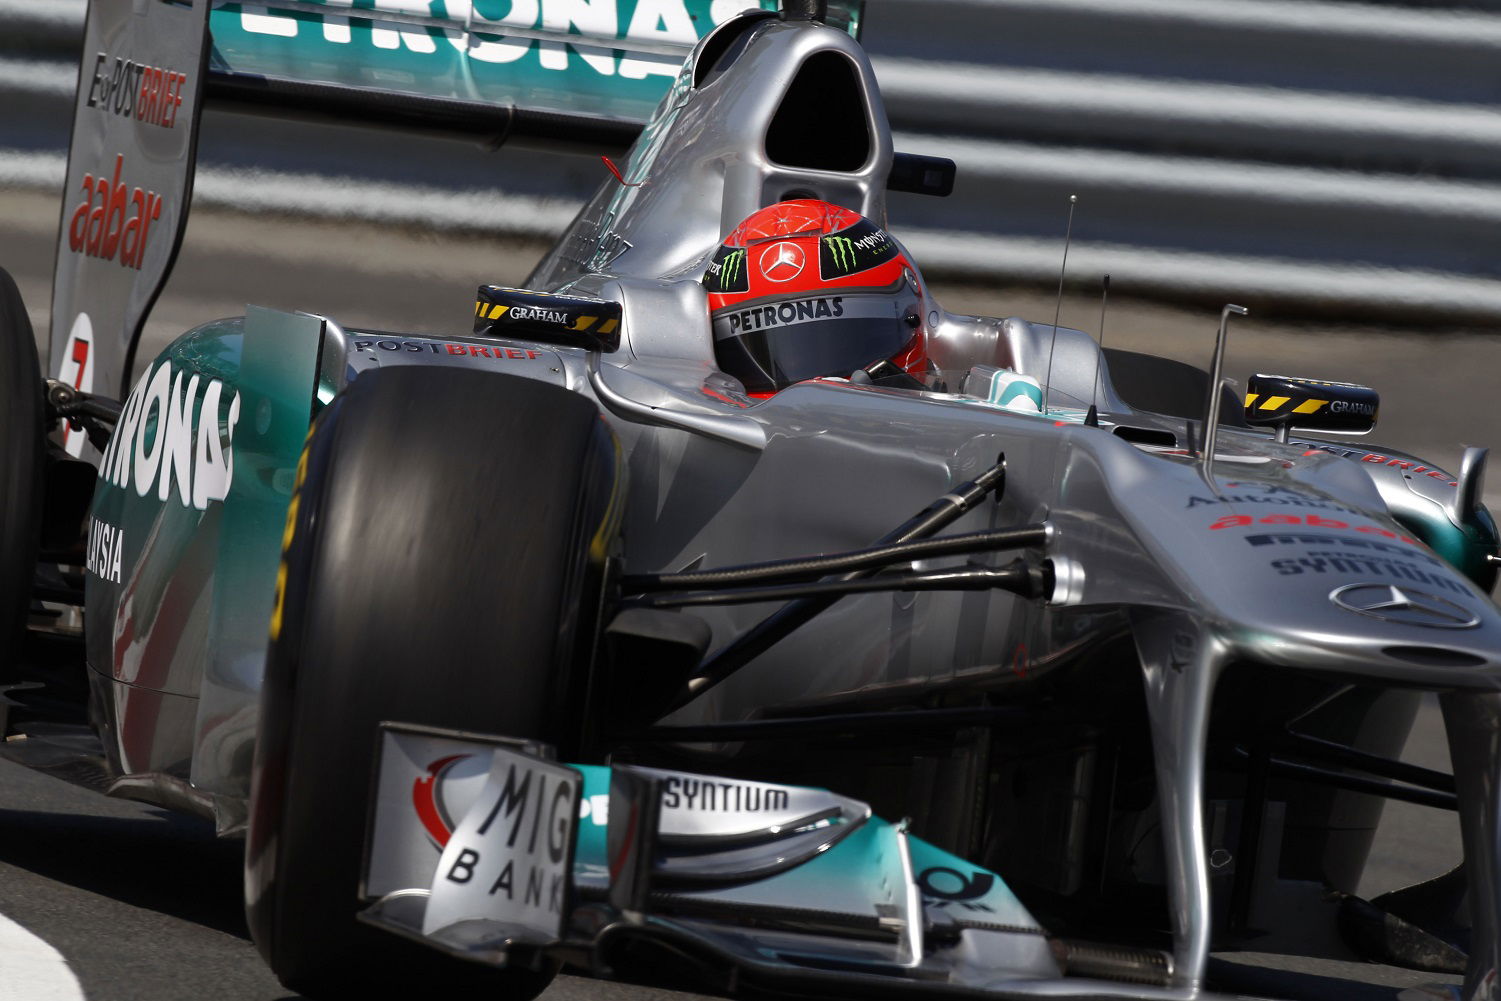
{"x":617,"y":632}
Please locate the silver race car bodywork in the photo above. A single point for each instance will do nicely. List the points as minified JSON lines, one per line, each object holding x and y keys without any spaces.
{"x":1153,"y":565}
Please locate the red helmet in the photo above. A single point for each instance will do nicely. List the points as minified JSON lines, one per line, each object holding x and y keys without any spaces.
{"x":803,"y":289}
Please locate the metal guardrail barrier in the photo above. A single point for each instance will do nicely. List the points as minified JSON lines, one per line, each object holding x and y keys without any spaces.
{"x":1332,"y":157}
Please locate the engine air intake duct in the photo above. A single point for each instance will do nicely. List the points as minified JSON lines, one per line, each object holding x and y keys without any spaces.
{"x":822,"y":122}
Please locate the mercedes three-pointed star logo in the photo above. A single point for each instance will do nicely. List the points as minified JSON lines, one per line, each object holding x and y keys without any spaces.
{"x":782,"y":262}
{"x":1403,"y":605}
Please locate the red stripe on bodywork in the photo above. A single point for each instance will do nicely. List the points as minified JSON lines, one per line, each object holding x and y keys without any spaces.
{"x":618,"y":862}
{"x":425,"y":800}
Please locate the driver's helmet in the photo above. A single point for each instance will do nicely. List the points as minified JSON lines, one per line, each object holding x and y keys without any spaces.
{"x":803,"y":289}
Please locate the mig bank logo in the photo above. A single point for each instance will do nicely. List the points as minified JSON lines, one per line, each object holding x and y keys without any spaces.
{"x":437,"y":815}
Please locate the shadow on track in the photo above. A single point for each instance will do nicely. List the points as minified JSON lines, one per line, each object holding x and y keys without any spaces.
{"x":145,"y":862}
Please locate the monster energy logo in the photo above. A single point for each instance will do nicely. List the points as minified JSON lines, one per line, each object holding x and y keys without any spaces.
{"x":845,"y":251}
{"x":842,"y":250}
{"x":729,"y":268}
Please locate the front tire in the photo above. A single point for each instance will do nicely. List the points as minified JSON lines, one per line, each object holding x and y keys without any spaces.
{"x":447,"y":541}
{"x":22,"y":450}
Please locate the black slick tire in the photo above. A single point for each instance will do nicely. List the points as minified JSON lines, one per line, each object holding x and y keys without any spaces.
{"x":447,"y":542}
{"x":22,"y":450}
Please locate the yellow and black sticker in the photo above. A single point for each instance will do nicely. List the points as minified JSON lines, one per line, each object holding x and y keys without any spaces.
{"x":288,"y":532}
{"x":565,"y":320}
{"x":1314,"y":405}
{"x":1272,"y":405}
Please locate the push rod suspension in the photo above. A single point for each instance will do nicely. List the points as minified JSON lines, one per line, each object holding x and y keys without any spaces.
{"x":1317,"y":751}
{"x":1018,"y":578}
{"x":874,"y":558}
{"x":761,"y":637}
{"x":845,"y":724}
{"x":1354,"y":783}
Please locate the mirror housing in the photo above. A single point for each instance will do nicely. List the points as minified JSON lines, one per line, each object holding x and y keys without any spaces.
{"x":566,"y":321}
{"x":1288,"y":404}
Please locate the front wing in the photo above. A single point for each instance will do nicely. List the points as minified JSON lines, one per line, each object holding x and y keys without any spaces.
{"x":489,"y":850}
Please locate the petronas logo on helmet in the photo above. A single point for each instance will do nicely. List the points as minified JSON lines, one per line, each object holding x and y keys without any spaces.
{"x":842,"y":250}
{"x":729,"y":268}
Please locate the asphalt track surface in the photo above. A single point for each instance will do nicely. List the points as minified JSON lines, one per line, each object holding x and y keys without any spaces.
{"x":145,"y":904}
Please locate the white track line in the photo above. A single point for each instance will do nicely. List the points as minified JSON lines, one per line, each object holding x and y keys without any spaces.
{"x":31,"y":970}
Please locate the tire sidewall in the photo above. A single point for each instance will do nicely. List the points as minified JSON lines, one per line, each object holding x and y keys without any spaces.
{"x":319,"y":714}
{"x":21,"y":469}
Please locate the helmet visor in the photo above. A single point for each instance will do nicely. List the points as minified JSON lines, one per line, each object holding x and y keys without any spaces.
{"x":772,"y":344}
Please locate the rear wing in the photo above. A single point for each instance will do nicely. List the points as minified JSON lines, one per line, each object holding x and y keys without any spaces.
{"x":570,"y":74}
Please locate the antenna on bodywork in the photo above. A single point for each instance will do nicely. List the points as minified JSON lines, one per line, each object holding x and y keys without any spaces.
{"x":1068,"y":235}
{"x":1093,"y":417}
{"x":610,"y":166}
{"x":805,"y":10}
{"x":1216,"y":369}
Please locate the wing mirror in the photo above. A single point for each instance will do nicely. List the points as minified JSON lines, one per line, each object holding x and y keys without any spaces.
{"x":1288,"y":404}
{"x":568,"y":321}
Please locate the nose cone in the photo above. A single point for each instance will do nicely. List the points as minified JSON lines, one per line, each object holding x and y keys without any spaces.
{"x":1301,"y":574}
{"x":1354,"y":601}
